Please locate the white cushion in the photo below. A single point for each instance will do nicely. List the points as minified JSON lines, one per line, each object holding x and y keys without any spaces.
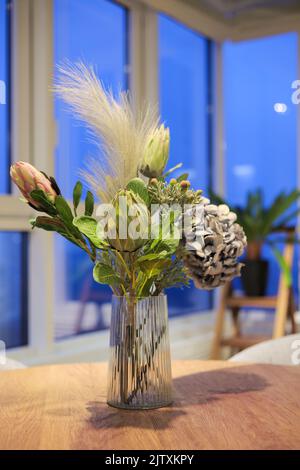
{"x":284,"y":351}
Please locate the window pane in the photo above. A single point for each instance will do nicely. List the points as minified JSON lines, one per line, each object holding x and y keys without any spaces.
{"x":94,"y":31}
{"x":13,"y":288}
{"x":82,"y":305}
{"x":183,"y":62}
{"x":4,"y":74}
{"x":260,"y":121}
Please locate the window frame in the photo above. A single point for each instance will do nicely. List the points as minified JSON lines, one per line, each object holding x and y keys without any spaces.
{"x":32,"y":67}
{"x":34,"y":134}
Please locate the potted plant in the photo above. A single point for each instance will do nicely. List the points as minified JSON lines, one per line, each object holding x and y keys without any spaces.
{"x":149,"y":232}
{"x":263,"y":224}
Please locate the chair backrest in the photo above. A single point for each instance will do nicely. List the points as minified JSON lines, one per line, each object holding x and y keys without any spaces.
{"x":282,"y":351}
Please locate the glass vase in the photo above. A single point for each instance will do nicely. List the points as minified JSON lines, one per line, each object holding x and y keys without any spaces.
{"x":139,"y":375}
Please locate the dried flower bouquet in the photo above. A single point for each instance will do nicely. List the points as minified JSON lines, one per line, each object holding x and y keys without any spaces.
{"x":149,"y":231}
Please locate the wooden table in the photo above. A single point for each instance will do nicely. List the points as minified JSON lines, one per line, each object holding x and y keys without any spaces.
{"x":218,"y":405}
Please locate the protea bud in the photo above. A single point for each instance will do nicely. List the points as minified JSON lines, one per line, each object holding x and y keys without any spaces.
{"x":28,"y":179}
{"x":129,"y":229}
{"x":157,"y":153}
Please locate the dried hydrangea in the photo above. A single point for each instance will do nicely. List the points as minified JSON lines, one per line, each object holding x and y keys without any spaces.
{"x":214,"y":242}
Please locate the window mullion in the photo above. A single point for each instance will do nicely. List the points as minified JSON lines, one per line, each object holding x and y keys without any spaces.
{"x":143,"y":53}
{"x":41,"y":249}
{"x":218,"y":134}
{"x":20,"y":88}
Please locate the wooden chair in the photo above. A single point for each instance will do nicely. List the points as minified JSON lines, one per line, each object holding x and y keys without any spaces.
{"x":283,"y":303}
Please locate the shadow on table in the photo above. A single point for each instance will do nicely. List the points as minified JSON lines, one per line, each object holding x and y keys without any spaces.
{"x":201,"y":388}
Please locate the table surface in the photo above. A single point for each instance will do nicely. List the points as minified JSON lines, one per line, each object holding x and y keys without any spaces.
{"x":218,"y":405}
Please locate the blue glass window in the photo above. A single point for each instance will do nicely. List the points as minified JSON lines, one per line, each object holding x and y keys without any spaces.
{"x":4,"y":97}
{"x":95,"y":32}
{"x":13,"y":288}
{"x":260,"y":121}
{"x":13,"y":246}
{"x":184,"y":68}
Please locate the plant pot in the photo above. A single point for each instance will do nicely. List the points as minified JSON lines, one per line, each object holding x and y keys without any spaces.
{"x":254,"y":277}
{"x":139,"y":375}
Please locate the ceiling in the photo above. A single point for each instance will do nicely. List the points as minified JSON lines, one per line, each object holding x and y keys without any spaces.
{"x":236,"y":20}
{"x":242,"y":19}
{"x":235,"y":9}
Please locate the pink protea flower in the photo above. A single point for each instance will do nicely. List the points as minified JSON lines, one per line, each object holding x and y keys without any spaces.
{"x":28,"y":178}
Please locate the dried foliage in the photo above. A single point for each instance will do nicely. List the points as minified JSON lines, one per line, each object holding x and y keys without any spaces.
{"x":122,"y":135}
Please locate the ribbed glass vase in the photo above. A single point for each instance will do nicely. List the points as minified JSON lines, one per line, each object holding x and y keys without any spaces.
{"x":139,"y":374}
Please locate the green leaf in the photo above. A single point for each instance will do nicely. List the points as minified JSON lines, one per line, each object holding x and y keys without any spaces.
{"x":39,"y":196}
{"x":54,"y":185}
{"x":77,"y":193}
{"x":64,"y":210}
{"x":162,"y":244}
{"x":47,"y":223}
{"x":144,"y":285}
{"x":283,"y":266}
{"x":152,"y":256}
{"x":137,"y":186}
{"x":154,"y":267}
{"x":278,"y":208}
{"x":176,"y":167}
{"x":153,"y":263}
{"x":170,"y":245}
{"x":145,"y":288}
{"x":88,"y":226}
{"x":65,"y":213}
{"x":215,"y":198}
{"x":285,"y":220}
{"x":104,"y":274}
{"x":53,"y":225}
{"x":182,"y":177}
{"x":89,"y":204}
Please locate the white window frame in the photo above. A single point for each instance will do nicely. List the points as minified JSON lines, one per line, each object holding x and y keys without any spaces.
{"x":34,"y":141}
{"x":33,"y":129}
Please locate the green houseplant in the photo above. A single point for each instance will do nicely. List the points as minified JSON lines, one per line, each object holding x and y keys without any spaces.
{"x":264,"y":224}
{"x":147,"y":232}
